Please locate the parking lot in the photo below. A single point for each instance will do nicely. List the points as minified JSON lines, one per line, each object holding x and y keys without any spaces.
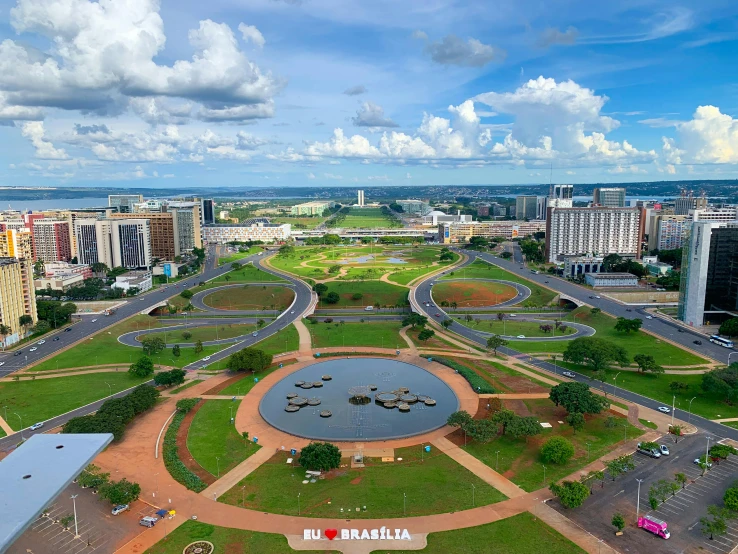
{"x":99,"y":531}
{"x":682,"y":511}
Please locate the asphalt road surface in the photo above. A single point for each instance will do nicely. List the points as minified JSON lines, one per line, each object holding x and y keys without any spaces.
{"x":656,"y":326}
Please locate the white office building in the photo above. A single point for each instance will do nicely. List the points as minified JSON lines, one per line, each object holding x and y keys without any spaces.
{"x":114,"y":242}
{"x":266,"y":232}
{"x":414,"y":207}
{"x":695,"y":262}
{"x":609,"y":197}
{"x":597,"y":231}
{"x":360,"y":198}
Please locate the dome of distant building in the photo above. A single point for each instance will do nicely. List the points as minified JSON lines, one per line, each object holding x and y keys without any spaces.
{"x":434,"y":212}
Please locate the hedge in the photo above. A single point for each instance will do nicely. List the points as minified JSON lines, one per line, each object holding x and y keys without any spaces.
{"x":477,"y":383}
{"x":360,"y":354}
{"x":174,"y":465}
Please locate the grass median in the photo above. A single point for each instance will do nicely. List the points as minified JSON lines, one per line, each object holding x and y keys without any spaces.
{"x":385,"y":334}
{"x":42,"y":399}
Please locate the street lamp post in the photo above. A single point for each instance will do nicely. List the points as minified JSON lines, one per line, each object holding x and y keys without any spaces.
{"x":298,"y":503}
{"x":615,"y":381}
{"x":217,"y":461}
{"x":638,"y":502}
{"x":74,"y":505}
{"x":707,"y":449}
{"x":473,"y":491}
{"x":404,"y":500}
{"x":21,"y":422}
{"x":110,"y":389}
{"x":673,"y":403}
{"x":690,"y":411}
{"x":544,"y":475}
{"x":497,"y":463}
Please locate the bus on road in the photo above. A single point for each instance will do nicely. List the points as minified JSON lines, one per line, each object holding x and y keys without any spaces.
{"x":717,"y":339}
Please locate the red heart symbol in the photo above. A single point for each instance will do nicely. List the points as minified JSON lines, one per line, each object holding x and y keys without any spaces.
{"x":331,"y":534}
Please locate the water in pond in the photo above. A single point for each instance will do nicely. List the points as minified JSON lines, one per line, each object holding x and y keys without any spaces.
{"x":359,"y":420}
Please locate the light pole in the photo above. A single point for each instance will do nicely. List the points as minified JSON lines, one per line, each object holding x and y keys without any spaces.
{"x":544,"y":475}
{"x":638,"y":502}
{"x":110,"y":389}
{"x":21,"y":422}
{"x":404,"y":500}
{"x":729,"y":355}
{"x":217,"y":461}
{"x":690,"y":411}
{"x":497,"y":464}
{"x":474,"y":489}
{"x":707,"y":449}
{"x":615,"y":381}
{"x":74,"y":505}
{"x":673,"y":403}
{"x":298,"y":503}
{"x":243,"y":498}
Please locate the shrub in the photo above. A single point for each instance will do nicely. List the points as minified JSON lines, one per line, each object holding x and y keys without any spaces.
{"x":477,"y":383}
{"x":557,"y":450}
{"x":186,"y":294}
{"x":186,"y":404}
{"x":170,"y":452}
{"x":320,"y":456}
{"x":571,"y":494}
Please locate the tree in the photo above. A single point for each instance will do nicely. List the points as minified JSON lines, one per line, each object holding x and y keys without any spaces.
{"x":187,"y":294}
{"x":481,"y":430}
{"x":571,"y":494}
{"x":577,"y":397}
{"x":596,"y":353}
{"x":618,"y":521}
{"x":446,"y":323}
{"x":729,"y":327}
{"x":320,"y":456}
{"x":176,"y":352}
{"x":459,"y":419}
{"x":722,"y":382}
{"x":152,"y":346}
{"x":414,"y":320}
{"x":143,"y":367}
{"x":730,"y":499}
{"x":332,"y":297}
{"x":681,"y":479}
{"x":286,"y":251}
{"x":186,"y":404}
{"x":5,"y":330}
{"x":41,"y":327}
{"x":426,"y":334}
{"x":334,"y":269}
{"x":198,"y":346}
{"x":357,"y":296}
{"x":619,"y":465}
{"x":721,"y":452}
{"x":575,"y":421}
{"x":626,"y":325}
{"x":25,"y":320}
{"x":646,"y":362}
{"x":496,"y":341}
{"x":611,"y":261}
{"x":91,"y":477}
{"x":186,"y":335}
{"x":714,"y":523}
{"x":504,"y":419}
{"x":260,"y":323}
{"x":249,"y":359}
{"x":557,"y":450}
{"x":524,"y":427}
{"x":594,"y":311}
{"x":120,"y":492}
{"x":320,"y":288}
{"x":170,"y":378}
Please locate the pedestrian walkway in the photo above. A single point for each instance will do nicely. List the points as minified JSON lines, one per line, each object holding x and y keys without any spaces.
{"x":481,"y":470}
{"x":234,"y":476}
{"x":5,"y":427}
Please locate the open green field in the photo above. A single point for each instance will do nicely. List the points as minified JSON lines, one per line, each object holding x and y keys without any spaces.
{"x":235,"y":256}
{"x":384,"y":334}
{"x":244,"y":385}
{"x":300,"y":222}
{"x":635,"y":343}
{"x":373,"y":292}
{"x":511,"y":327}
{"x":225,"y":540}
{"x":436,"y":341}
{"x":247,"y":273}
{"x":539,"y":296}
{"x":104,"y":348}
{"x":436,"y":485}
{"x":368,"y":218}
{"x":212,"y":436}
{"x":222,"y":330}
{"x":520,"y":461}
{"x":250,"y":297}
{"x":520,"y":534}
{"x":41,"y":399}
{"x":705,"y":404}
{"x":285,"y":340}
{"x":501,"y":377}
{"x":472,"y":293}
{"x":733,"y":424}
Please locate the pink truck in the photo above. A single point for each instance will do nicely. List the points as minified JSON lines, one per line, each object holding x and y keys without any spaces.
{"x":654,"y":525}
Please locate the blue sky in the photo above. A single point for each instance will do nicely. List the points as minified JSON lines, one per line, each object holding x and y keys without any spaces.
{"x":322,"y":92}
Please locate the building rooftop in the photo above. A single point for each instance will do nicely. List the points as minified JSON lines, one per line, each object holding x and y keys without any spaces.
{"x":615,"y":276}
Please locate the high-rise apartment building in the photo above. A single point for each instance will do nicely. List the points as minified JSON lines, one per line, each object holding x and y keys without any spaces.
{"x":684,"y":204}
{"x":595,"y":231}
{"x":667,"y":232}
{"x":526,"y":207}
{"x":609,"y":197}
{"x":123,"y":203}
{"x":722,"y":269}
{"x":726,"y":215}
{"x":163,"y":237}
{"x":114,"y":242}
{"x":360,"y":198}
{"x":51,"y":240}
{"x":17,"y":297}
{"x":16,"y":244}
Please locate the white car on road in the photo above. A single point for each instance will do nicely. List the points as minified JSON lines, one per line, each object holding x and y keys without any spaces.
{"x":32,"y":349}
{"x":37,"y":425}
{"x":521,"y":336}
{"x":664,"y":409}
{"x":41,"y":342}
{"x":568,"y":374}
{"x":649,"y":317}
{"x":206,"y":358}
{"x":94,"y":320}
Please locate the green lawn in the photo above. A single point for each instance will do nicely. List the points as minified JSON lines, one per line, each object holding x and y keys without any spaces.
{"x":250,"y":297}
{"x":733,"y":424}
{"x":41,"y":399}
{"x":248,"y":273}
{"x":520,"y":461}
{"x":539,"y":296}
{"x":705,"y":404}
{"x":286,"y":340}
{"x":385,"y":334}
{"x":237,"y":256}
{"x":635,"y":343}
{"x":368,"y":218}
{"x":408,"y":275}
{"x":372,"y":292}
{"x":436,"y":342}
{"x":436,"y":485}
{"x":511,"y":328}
{"x":520,"y":534}
{"x":225,"y":330}
{"x":212,"y":436}
{"x":225,"y":539}
{"x":300,"y":222}
{"x":244,"y":385}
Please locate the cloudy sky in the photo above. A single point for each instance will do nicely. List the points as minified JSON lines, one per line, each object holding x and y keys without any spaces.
{"x":339,"y":92}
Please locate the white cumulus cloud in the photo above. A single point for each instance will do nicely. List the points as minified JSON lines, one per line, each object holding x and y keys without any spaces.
{"x":252,"y":34}
{"x":709,"y":137}
{"x":372,"y":115}
{"x":452,"y":50}
{"x":45,"y":150}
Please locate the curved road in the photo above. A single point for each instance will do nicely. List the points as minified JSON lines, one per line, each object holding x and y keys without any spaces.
{"x":656,"y":326}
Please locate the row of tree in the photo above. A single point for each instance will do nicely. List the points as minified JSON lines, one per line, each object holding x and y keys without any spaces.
{"x":115,"y":492}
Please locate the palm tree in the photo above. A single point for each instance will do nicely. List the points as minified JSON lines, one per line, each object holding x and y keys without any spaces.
{"x":5,"y":330}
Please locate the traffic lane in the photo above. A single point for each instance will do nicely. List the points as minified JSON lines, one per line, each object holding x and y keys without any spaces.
{"x":86,"y":327}
{"x":49,"y":424}
{"x":656,"y":325}
{"x":422,"y":293}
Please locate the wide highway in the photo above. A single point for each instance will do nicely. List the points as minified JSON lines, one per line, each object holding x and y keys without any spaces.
{"x":657,"y":326}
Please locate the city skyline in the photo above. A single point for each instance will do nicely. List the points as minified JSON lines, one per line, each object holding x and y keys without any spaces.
{"x":320,"y":93}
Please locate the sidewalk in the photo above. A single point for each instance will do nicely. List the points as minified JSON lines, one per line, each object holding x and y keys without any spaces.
{"x":234,"y":476}
{"x":5,"y":427}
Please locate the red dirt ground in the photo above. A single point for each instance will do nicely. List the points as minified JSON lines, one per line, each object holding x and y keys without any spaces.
{"x":472,"y":294}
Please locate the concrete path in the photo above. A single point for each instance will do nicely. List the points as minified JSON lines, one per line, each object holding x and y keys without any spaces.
{"x":410,"y":344}
{"x":484,"y":472}
{"x":516,"y":395}
{"x":234,"y":476}
{"x":303,"y":333}
{"x":5,"y":427}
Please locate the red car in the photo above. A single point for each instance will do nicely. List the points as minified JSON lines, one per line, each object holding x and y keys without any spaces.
{"x":438,"y":315}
